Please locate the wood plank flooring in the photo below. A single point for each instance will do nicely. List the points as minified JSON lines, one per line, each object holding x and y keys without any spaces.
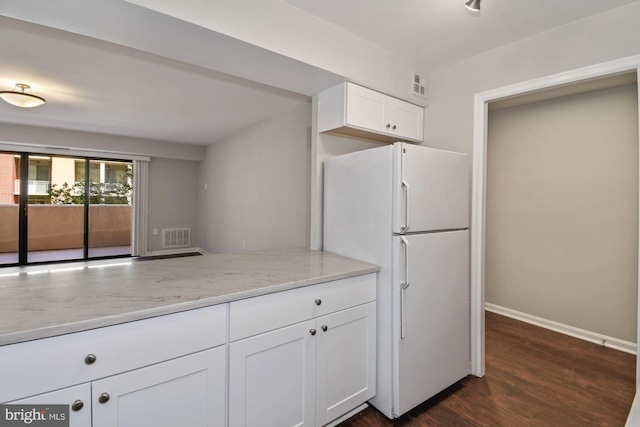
{"x":534,"y":377}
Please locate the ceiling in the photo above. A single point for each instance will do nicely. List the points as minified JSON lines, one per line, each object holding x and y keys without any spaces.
{"x":436,"y":33}
{"x":95,"y":86}
{"x":98,"y":85}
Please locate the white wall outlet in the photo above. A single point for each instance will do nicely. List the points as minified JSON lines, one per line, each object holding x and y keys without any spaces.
{"x":155,"y":231}
{"x":419,"y":85}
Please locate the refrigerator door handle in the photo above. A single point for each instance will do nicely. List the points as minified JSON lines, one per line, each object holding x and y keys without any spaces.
{"x":405,"y":184}
{"x":405,"y":285}
{"x":403,"y":330}
{"x":405,"y":242}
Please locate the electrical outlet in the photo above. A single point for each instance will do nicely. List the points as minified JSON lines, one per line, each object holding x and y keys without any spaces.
{"x":155,"y":231}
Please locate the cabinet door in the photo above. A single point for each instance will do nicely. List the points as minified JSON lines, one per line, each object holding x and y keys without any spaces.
{"x":407,"y":118}
{"x":272,"y":378}
{"x":188,"y":391}
{"x":366,"y":108}
{"x":346,"y":367}
{"x":80,"y":395}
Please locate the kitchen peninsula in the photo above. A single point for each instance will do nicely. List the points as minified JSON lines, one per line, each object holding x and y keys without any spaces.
{"x":230,"y":339}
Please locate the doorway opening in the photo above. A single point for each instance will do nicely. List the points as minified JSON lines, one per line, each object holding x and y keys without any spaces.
{"x":561,"y":245}
{"x":481,"y":102}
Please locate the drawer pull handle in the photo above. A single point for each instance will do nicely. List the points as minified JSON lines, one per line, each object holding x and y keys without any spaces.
{"x":77,"y":405}
{"x":104,"y":398}
{"x":90,"y":359}
{"x":318,"y":301}
{"x":312,"y":331}
{"x":324,"y":328}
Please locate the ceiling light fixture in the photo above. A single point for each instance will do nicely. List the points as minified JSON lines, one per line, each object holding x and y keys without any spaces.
{"x":473,"y":5}
{"x":20,"y":98}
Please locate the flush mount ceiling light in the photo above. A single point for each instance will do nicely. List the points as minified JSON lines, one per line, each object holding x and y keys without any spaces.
{"x":473,"y":5}
{"x":20,"y":98}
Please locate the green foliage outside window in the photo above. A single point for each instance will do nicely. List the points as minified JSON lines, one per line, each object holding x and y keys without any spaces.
{"x":100,"y":193}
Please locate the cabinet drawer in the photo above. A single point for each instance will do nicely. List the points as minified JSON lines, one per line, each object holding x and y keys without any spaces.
{"x":261,"y":314}
{"x":43,"y":365}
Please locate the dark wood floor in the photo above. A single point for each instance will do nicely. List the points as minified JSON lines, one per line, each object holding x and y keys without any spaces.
{"x":534,"y":377}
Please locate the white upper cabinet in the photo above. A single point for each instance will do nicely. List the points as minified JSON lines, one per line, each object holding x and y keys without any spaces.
{"x":366,"y":109}
{"x":354,"y":110}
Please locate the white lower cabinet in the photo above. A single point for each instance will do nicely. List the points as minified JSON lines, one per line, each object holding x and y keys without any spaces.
{"x":306,"y":374}
{"x":77,"y":397}
{"x":302,"y":357}
{"x":346,"y":362}
{"x":188,"y":391}
{"x":271,"y":378}
{"x":166,"y":371}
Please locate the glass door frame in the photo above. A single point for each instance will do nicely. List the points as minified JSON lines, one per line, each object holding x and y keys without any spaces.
{"x":23,"y":208}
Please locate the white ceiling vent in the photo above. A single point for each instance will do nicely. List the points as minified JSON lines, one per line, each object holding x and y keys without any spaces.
{"x":419,"y":85}
{"x":176,"y":237}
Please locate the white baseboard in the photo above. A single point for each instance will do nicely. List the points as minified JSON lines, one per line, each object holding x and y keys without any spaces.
{"x":594,"y":337}
{"x":174,"y":251}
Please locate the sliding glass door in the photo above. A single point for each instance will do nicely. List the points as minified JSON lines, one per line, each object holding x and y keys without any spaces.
{"x":56,"y":208}
{"x":55,"y":213}
{"x":110,"y":208}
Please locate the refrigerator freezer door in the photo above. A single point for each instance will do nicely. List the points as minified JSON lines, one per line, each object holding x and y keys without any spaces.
{"x":432,"y":315}
{"x":431,"y":189}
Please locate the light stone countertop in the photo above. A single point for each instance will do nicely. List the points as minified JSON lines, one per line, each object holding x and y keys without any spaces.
{"x":76,"y":297}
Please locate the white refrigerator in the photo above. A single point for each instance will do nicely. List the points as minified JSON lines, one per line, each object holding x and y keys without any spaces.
{"x":406,"y":208}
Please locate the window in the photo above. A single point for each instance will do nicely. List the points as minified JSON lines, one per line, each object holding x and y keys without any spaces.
{"x":61,"y":212}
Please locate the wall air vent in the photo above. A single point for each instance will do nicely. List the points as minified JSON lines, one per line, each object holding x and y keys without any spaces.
{"x":419,"y":85}
{"x":176,"y":237}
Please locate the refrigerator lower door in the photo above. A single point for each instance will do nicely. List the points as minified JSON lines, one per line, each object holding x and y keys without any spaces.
{"x":431,"y":293}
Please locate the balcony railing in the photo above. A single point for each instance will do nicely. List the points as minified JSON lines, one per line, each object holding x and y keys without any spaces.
{"x":35,"y":187}
{"x":53,"y":227}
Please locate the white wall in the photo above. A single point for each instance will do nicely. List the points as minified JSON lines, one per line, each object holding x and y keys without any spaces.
{"x":449,"y":117}
{"x":562,"y":210}
{"x":270,"y":24}
{"x":173,"y":171}
{"x":258,"y":186}
{"x":173,"y":199}
{"x":95,"y":141}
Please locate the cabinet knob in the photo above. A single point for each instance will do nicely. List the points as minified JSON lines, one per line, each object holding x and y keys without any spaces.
{"x":77,"y":405}
{"x":324,"y":327}
{"x":90,"y":359}
{"x":104,"y":398}
{"x":318,"y":301}
{"x":388,"y":125}
{"x":312,"y":331}
{"x":393,"y":127}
